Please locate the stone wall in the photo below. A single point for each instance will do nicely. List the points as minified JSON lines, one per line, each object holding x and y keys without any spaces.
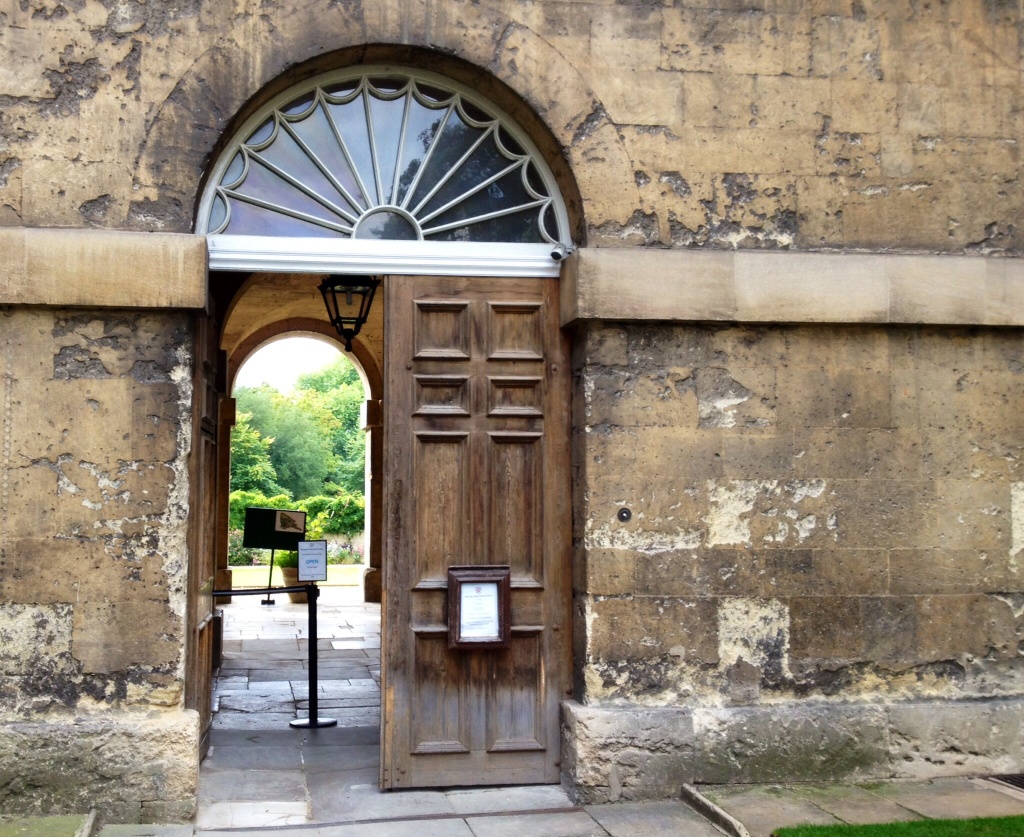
{"x":93,"y":505}
{"x":818,"y":515}
{"x":748,"y":123}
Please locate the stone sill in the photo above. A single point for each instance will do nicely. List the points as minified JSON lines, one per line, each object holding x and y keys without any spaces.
{"x":102,"y":269}
{"x":789,"y":287}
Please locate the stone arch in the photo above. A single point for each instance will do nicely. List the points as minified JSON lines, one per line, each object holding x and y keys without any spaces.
{"x":365,"y":361}
{"x":504,"y":60}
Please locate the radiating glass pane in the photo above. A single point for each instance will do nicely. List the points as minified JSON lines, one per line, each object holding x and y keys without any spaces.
{"x":234,"y":171}
{"x":351,"y":121}
{"x":510,"y":144}
{"x":482,"y":164}
{"x":316,"y":133}
{"x":434,"y":94}
{"x":534,"y":179}
{"x":519,"y":227}
{"x":386,"y":225}
{"x":267,"y":186}
{"x":419,"y":134}
{"x":388,"y":84}
{"x":342,"y":88}
{"x":261,"y":134}
{"x":550,"y":222}
{"x":506,"y":192}
{"x":254,"y":220}
{"x":300,"y":105}
{"x":387,"y":127}
{"x":456,"y":139}
{"x":292,"y":159}
{"x":218,"y":213}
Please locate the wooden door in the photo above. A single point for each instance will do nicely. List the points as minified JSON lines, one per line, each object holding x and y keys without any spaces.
{"x":476,"y":408}
{"x":206,"y":393}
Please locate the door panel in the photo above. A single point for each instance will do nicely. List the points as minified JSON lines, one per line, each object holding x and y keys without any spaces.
{"x":477,"y":468}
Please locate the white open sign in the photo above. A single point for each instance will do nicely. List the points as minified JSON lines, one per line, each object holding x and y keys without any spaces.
{"x":312,"y":560}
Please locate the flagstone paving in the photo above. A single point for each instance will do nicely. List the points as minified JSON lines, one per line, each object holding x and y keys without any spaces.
{"x":261,"y":773}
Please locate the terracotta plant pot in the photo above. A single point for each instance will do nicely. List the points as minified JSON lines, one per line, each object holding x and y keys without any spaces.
{"x":291,"y":578}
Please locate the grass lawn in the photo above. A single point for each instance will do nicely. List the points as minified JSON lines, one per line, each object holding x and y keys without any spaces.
{"x":984,"y":827}
{"x":339,"y":575}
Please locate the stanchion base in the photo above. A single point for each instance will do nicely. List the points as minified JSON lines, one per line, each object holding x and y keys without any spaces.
{"x":304,"y":723}
{"x":267,"y":602}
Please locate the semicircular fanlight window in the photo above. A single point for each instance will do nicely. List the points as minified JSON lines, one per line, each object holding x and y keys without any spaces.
{"x":383,"y":157}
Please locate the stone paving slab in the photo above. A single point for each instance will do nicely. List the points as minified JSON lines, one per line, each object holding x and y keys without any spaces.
{"x":251,"y":721}
{"x":352,"y":757}
{"x":950,"y":799}
{"x":221,"y":815}
{"x":254,"y":702}
{"x":258,"y":783}
{"x":521,"y":798}
{"x":651,"y":819}
{"x":146,"y":831}
{"x":401,"y":828}
{"x":568,"y":824}
{"x":66,"y":826}
{"x":245,"y":756}
{"x":365,"y":802}
{"x":763,"y":808}
{"x":855,"y":805}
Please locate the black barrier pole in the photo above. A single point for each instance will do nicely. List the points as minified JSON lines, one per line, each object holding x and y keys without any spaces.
{"x":270,"y":580}
{"x":312,"y":594}
{"x":314,"y":721}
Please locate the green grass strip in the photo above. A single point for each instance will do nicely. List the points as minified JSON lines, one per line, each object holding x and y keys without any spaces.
{"x":982,"y":827}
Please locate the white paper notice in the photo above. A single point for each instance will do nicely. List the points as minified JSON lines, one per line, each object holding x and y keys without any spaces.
{"x":479,"y":610}
{"x":312,"y":560}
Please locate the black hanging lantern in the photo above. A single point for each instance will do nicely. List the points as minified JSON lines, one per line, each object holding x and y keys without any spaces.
{"x":348,"y":300}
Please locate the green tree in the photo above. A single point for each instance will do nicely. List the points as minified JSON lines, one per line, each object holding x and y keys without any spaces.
{"x":301,"y":447}
{"x":251,"y":468}
{"x":337,"y":392}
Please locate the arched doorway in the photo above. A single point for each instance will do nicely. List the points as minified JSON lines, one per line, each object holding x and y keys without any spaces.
{"x":407,"y":175}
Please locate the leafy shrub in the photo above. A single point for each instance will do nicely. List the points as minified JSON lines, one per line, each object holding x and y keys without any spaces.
{"x":241,"y":556}
{"x":342,"y":554}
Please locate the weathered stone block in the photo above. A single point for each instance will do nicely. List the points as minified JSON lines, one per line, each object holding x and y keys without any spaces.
{"x":947,"y":571}
{"x":814,"y":742}
{"x":965,"y":739}
{"x":159,"y":645}
{"x":616,"y":572}
{"x":113,"y":765}
{"x":643,"y":628}
{"x":826,"y":628}
{"x":613,"y":754}
{"x":34,"y":637}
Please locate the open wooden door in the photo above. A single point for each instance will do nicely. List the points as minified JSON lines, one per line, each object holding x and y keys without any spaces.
{"x":202,"y":526}
{"x":476,"y":406}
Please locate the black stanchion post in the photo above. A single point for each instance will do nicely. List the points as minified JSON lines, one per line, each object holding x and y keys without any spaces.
{"x":314,"y":720}
{"x":270,"y":581}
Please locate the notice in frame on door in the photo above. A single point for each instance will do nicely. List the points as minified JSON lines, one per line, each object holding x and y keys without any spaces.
{"x":479,"y":607}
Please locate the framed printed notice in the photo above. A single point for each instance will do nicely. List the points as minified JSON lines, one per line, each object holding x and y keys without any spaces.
{"x":312,"y":560}
{"x":479,"y":607}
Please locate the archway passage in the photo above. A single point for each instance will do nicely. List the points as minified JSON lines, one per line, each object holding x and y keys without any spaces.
{"x":406,"y":175}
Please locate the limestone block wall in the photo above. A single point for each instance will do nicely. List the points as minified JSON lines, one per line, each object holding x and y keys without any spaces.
{"x":823,"y":563}
{"x":94,"y":438}
{"x":764,"y":123}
